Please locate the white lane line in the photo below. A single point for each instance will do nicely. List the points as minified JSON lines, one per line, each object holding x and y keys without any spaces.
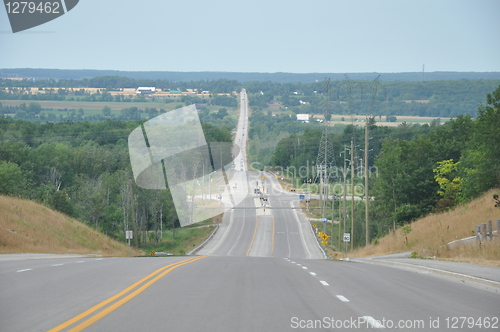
{"x":373,"y":322}
{"x":98,"y":259}
{"x":342,"y":298}
{"x":57,"y":264}
{"x":299,"y":264}
{"x":24,"y":270}
{"x":312,"y":273}
{"x":80,"y":262}
{"x":324,"y":283}
{"x":305,"y":268}
{"x":293,"y":262}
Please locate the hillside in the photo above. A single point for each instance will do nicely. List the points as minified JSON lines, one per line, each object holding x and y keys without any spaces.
{"x":430,"y":235}
{"x":28,"y":227}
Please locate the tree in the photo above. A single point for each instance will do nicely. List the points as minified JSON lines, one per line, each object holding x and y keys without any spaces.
{"x":106,"y":111}
{"x":449,"y":183}
{"x":12,"y":179}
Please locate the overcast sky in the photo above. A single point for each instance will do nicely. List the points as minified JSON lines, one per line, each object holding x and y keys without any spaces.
{"x":325,"y":36}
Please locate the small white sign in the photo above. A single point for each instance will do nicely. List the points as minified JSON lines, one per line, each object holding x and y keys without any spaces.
{"x":347,"y":237}
{"x":128,"y":235}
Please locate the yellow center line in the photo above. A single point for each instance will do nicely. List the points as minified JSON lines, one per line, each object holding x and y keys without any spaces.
{"x":272,"y":240}
{"x":84,"y":314}
{"x":254,"y":232}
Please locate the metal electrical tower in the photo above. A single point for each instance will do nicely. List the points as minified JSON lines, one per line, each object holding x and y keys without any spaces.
{"x":351,"y":88}
{"x":326,"y":157}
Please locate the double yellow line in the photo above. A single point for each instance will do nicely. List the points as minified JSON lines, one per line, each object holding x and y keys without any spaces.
{"x":148,"y":281}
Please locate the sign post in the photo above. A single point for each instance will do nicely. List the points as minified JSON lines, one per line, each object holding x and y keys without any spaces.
{"x":128,"y":236}
{"x":347,"y":238}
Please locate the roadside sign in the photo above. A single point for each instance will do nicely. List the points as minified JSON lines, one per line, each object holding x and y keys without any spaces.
{"x":153,"y":253}
{"x":314,"y":226}
{"x":347,"y":237}
{"x":128,"y":235}
{"x":324,"y":242}
{"x":323,"y":219}
{"x":302,"y":197}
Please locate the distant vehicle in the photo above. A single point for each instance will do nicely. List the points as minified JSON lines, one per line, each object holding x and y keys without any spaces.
{"x":256,"y":191}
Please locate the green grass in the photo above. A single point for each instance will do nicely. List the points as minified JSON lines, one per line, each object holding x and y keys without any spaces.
{"x":181,"y":240}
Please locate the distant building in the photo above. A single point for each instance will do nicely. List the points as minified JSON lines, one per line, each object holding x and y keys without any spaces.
{"x":303,"y":118}
{"x":148,"y":90}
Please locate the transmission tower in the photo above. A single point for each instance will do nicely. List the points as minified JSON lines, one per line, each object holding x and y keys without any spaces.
{"x":326,"y":157}
{"x":352,"y":87}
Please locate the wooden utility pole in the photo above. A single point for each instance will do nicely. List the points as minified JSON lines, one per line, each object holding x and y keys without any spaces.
{"x":132,"y":202}
{"x":367,"y":197}
{"x":352,"y":194}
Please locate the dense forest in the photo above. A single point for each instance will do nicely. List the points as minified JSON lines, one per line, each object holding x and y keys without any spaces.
{"x":414,"y":170}
{"x":83,"y":169}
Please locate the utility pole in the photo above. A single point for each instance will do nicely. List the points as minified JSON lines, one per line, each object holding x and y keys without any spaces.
{"x":345,"y":195}
{"x":367,"y":197}
{"x":352,"y":194}
{"x":133,"y":212}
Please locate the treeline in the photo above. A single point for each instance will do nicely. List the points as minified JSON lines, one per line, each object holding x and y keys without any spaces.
{"x":415,"y":169}
{"x":266,"y":130}
{"x":83,"y":169}
{"x":433,"y":98}
{"x":111,"y":83}
{"x":447,"y":98}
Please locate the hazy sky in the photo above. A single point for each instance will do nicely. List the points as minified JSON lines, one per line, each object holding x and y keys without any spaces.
{"x":298,"y":36}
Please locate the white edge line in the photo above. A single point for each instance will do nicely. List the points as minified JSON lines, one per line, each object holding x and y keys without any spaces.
{"x":300,"y":230}
{"x":223,"y":235}
{"x":24,"y":270}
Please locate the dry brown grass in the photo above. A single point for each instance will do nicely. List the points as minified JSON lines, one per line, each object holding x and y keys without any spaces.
{"x":433,"y":232}
{"x":28,"y":227}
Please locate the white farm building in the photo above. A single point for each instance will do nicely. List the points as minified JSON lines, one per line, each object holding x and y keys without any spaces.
{"x":303,"y":118}
{"x":146,"y":90}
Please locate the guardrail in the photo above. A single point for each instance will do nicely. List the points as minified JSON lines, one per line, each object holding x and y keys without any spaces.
{"x":204,"y":242}
{"x":483,"y":233}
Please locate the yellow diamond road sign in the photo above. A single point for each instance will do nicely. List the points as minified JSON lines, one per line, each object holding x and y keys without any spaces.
{"x":153,"y":252}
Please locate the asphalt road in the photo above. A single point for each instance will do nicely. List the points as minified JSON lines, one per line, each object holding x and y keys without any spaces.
{"x":230,"y":294}
{"x":263,"y":272}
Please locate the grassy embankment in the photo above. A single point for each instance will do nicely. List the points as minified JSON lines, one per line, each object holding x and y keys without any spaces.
{"x":429,"y":236}
{"x":28,"y":227}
